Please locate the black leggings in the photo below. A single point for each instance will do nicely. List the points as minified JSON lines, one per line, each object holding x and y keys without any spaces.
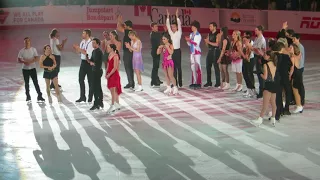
{"x":212,"y":58}
{"x":176,"y":57}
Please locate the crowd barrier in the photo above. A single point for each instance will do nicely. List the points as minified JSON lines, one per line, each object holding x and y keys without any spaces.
{"x":305,"y":23}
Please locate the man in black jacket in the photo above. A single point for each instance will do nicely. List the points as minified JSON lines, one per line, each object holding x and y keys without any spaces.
{"x":155,"y":37}
{"x":96,"y":64}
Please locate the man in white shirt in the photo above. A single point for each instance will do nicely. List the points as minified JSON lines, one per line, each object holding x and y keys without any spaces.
{"x":56,"y":49}
{"x":259,"y":48}
{"x":175,"y":32}
{"x":85,"y":49}
{"x":27,"y":57}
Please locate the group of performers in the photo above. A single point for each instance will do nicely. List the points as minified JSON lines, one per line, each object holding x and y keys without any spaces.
{"x":279,"y":67}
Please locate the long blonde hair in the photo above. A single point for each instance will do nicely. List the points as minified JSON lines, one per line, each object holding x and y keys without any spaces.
{"x":133,"y":33}
{"x":238,"y":33}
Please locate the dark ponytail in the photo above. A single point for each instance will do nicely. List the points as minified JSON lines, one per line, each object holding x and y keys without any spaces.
{"x":114,"y":48}
{"x":53,"y":33}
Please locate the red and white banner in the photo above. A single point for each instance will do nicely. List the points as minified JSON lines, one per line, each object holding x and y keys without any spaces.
{"x":243,"y":19}
{"x":302,"y":22}
{"x":142,"y":16}
{"x":139,"y":15}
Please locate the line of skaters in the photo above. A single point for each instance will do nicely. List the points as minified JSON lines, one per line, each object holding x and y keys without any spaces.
{"x":240,"y":51}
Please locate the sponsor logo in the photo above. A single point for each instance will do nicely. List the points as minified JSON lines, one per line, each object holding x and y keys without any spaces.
{"x":142,"y":10}
{"x":310,"y":23}
{"x":235,"y":17}
{"x":28,"y":17}
{"x":3,"y":16}
{"x":160,"y":18}
{"x":243,"y":19}
{"x":101,"y":14}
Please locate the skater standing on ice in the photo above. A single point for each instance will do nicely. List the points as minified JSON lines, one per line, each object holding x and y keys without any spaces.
{"x":56,"y":49}
{"x":50,"y":73}
{"x":167,"y":63}
{"x":194,"y":41}
{"x":27,"y":57}
{"x":113,"y":77}
{"x":175,"y":32}
{"x":135,"y":46}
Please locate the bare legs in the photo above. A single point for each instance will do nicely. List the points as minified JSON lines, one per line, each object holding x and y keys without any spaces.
{"x":114,"y":96}
{"x":225,"y":76}
{"x":297,"y":96}
{"x":56,"y":88}
{"x":138,"y":74}
{"x":268,"y":98}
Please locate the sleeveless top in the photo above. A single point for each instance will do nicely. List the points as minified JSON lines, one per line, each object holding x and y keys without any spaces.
{"x":269,"y":76}
{"x":47,"y":62}
{"x":228,"y":43}
{"x":213,"y":38}
{"x":234,"y":48}
{"x":166,"y":54}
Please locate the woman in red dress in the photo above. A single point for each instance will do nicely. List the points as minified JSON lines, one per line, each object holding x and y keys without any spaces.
{"x":113,"y":77}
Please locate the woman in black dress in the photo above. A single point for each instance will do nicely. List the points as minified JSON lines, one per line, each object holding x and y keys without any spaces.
{"x":48,"y":62}
{"x":223,"y":59}
{"x":272,"y":84}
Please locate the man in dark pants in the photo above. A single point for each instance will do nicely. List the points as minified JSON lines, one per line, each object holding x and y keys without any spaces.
{"x":175,"y":32}
{"x":126,"y":27}
{"x":213,"y":55}
{"x":155,"y":38}
{"x":259,"y":48}
{"x":96,"y":63}
{"x":27,"y":57}
{"x":85,"y":49}
{"x":296,"y":40}
{"x":283,"y":67}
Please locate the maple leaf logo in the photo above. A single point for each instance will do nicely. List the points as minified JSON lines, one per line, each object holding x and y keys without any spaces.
{"x":3,"y":16}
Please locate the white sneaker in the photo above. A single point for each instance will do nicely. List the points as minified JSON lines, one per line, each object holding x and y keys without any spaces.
{"x":246,"y":92}
{"x":175,"y":90}
{"x":299,"y":109}
{"x":226,"y":86}
{"x":168,"y":90}
{"x":273,"y":121}
{"x":239,"y":88}
{"x":117,"y":106}
{"x":111,"y":110}
{"x":138,"y":88}
{"x":257,"y":122}
{"x":222,"y":85}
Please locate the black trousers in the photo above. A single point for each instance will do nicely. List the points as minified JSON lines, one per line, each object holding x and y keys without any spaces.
{"x":96,"y":86}
{"x":212,"y":58}
{"x":58,"y":61}
{"x":301,"y":89}
{"x":27,"y":73}
{"x":285,"y":86}
{"x":127,"y":59}
{"x":247,"y":71}
{"x":176,"y":57}
{"x":155,"y":68}
{"x":258,"y":64}
{"x":85,"y":70}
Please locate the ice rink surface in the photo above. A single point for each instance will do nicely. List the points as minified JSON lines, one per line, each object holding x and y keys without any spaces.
{"x":197,"y":135}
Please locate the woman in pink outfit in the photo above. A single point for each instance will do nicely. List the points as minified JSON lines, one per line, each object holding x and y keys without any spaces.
{"x":167,"y":63}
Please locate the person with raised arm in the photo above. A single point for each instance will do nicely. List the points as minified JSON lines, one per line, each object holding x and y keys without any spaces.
{"x":28,"y":57}
{"x":193,"y":41}
{"x":85,"y":49}
{"x":212,"y":41}
{"x":50,"y":73}
{"x":126,"y":27}
{"x":175,"y":32}
{"x":56,"y":49}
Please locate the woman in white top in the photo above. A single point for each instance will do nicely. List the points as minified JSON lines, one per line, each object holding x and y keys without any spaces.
{"x":56,"y":49}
